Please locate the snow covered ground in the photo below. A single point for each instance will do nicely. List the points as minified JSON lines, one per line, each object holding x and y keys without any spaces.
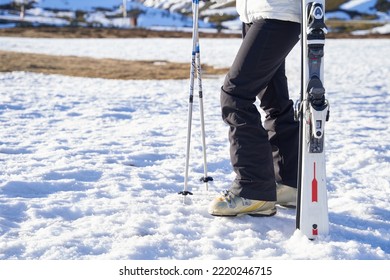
{"x":91,"y":168}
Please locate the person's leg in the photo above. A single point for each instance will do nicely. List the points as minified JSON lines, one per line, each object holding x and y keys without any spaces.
{"x":264,"y":49}
{"x":283,"y":130}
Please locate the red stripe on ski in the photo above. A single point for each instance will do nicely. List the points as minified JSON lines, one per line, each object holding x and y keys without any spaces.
{"x":314,"y":230}
{"x":314,"y":187}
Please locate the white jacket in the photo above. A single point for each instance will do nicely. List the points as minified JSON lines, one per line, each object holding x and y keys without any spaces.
{"x":252,"y":10}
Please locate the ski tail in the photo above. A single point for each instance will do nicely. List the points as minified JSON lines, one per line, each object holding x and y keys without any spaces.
{"x":313,"y":111}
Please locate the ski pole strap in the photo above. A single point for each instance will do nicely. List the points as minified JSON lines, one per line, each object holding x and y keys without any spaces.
{"x":185,"y":193}
{"x":206,"y":179}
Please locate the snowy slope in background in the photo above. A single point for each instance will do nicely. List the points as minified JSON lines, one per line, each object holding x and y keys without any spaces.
{"x":362,"y":6}
{"x":62,"y":13}
{"x":90,"y":168}
{"x":79,"y":5}
{"x":168,"y":13}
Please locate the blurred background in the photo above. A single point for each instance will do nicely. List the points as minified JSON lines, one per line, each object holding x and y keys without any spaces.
{"x":344,"y":17}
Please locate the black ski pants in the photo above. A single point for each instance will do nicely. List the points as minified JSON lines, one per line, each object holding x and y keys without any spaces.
{"x":261,"y":153}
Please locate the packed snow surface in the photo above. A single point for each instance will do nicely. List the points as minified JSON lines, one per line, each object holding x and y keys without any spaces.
{"x":91,"y":168}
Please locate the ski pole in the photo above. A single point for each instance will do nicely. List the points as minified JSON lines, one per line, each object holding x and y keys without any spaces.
{"x":195,"y":66}
{"x":205,"y":178}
